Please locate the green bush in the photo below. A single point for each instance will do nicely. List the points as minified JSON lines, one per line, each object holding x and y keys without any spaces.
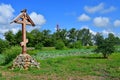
{"x":11,"y":54}
{"x":0,"y":74}
{"x":39,"y":46}
{"x":106,"y":48}
{"x":76,"y":45}
{"x":59,"y":45}
{"x":70,"y":45}
{"x":117,"y":48}
{"x":3,"y":45}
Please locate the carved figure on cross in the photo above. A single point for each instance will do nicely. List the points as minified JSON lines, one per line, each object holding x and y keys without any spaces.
{"x":24,"y":19}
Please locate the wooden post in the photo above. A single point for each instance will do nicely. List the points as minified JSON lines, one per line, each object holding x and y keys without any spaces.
{"x":24,"y":48}
{"x":23,"y":19}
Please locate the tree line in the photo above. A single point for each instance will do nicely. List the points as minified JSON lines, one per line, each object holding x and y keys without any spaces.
{"x":68,"y":37}
{"x":72,"y":38}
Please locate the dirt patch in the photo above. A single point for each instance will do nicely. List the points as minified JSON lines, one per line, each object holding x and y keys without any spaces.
{"x":9,"y":75}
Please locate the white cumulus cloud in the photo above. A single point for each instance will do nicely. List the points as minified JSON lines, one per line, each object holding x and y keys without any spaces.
{"x":112,"y":8}
{"x":101,"y":21}
{"x":117,"y":23}
{"x":6,"y":16}
{"x":106,"y":32}
{"x":6,"y":12}
{"x":94,"y":9}
{"x":99,"y":8}
{"x":38,"y":19}
{"x":83,"y":17}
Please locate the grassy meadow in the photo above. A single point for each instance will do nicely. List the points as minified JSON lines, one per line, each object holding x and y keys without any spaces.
{"x":68,"y":64}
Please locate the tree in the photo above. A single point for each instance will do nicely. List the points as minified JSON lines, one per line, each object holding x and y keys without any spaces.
{"x":47,"y":38}
{"x":59,"y":45}
{"x":62,"y":34}
{"x":3,"y":45}
{"x":111,"y":38}
{"x":72,"y":35}
{"x":38,"y":46}
{"x":98,"y":38}
{"x":10,"y":37}
{"x":85,"y":36}
{"x":37,"y":37}
{"x":76,"y":45}
{"x":117,"y":41}
{"x":106,"y":47}
{"x":18,"y":37}
{"x":30,"y":38}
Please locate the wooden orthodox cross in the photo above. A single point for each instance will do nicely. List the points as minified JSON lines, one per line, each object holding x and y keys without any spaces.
{"x":24,"y":19}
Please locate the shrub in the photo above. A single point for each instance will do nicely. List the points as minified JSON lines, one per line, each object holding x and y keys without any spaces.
{"x":59,"y":45}
{"x":11,"y":54}
{"x":39,"y":46}
{"x":70,"y":45}
{"x":3,"y":45}
{"x":76,"y":45}
{"x":0,"y":74}
{"x":106,"y":48}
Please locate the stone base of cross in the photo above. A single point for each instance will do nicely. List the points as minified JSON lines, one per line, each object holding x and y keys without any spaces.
{"x":24,"y":61}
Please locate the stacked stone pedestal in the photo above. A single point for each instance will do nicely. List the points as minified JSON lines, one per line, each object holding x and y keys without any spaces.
{"x":24,"y":61}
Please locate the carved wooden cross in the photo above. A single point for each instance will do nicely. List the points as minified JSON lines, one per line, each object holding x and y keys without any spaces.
{"x":23,"y":19}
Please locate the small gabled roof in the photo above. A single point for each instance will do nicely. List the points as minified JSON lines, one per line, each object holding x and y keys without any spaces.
{"x":20,"y":16}
{"x":30,"y":20}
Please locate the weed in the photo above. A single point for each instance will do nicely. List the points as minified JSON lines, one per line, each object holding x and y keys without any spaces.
{"x":66,"y":63}
{"x":0,"y":74}
{"x":11,"y":54}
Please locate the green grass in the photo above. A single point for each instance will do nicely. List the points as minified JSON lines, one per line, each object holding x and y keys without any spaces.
{"x":1,"y":58}
{"x":68,"y":64}
{"x":61,"y":53}
{"x":117,"y":48}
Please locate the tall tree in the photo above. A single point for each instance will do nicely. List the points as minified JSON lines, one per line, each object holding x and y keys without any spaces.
{"x":18,"y":37}
{"x":37,"y":36}
{"x":31,"y":39}
{"x":63,"y":35}
{"x":60,"y":34}
{"x":111,"y":38}
{"x":85,"y":36}
{"x":98,"y":38}
{"x":3,"y":45}
{"x":72,"y":35}
{"x":10,"y":37}
{"x":117,"y":41}
{"x":104,"y":46}
{"x":46,"y":38}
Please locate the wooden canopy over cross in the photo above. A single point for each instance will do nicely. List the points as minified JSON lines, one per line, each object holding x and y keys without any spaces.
{"x":24,"y":19}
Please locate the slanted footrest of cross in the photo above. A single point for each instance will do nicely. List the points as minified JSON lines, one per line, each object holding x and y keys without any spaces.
{"x":24,"y":43}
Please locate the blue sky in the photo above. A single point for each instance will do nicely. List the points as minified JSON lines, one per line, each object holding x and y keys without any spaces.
{"x":98,"y":15}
